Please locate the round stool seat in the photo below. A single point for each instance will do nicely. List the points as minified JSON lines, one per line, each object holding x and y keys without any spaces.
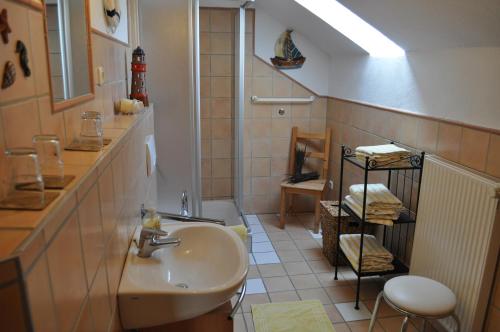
{"x":421,"y":296}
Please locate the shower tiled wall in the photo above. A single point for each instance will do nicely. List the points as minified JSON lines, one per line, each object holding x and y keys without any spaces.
{"x":266,"y":136}
{"x":217,"y":101}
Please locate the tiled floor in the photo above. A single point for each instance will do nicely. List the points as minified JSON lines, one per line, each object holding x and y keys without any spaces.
{"x":288,"y":265}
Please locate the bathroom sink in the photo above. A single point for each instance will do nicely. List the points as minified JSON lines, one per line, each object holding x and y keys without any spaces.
{"x":178,"y":283}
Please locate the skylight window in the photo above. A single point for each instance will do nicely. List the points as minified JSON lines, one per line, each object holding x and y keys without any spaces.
{"x":353,"y":27}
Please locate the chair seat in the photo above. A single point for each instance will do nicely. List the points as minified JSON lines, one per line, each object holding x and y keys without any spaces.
{"x":312,"y":185}
{"x":421,"y":296}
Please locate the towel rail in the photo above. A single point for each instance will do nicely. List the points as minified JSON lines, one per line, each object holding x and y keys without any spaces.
{"x":282,"y":100}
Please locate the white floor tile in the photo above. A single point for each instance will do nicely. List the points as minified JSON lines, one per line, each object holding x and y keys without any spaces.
{"x":251,"y":260}
{"x":257,"y":229}
{"x":350,"y":314}
{"x":316,"y":236}
{"x":260,"y":237}
{"x":266,"y":258}
{"x":262,"y":247}
{"x":255,"y":286}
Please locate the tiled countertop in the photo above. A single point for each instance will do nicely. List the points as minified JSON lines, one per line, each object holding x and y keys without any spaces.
{"x":19,"y":228}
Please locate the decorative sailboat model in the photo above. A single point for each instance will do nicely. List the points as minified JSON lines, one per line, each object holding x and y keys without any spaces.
{"x":287,"y":54}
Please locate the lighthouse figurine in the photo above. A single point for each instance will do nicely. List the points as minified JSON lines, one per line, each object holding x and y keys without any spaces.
{"x":138,"y":88}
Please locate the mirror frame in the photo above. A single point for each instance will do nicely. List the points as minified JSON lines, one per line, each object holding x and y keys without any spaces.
{"x":67,"y":103}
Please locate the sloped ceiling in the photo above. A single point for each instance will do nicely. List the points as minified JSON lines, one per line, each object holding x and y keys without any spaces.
{"x":421,"y":25}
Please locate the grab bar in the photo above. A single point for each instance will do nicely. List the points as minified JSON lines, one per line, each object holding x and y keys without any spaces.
{"x":281,"y":100}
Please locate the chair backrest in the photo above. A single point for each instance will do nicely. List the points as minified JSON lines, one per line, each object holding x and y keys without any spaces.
{"x":324,"y":155}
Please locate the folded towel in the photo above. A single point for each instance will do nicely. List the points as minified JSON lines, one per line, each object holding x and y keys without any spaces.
{"x":388,"y":154}
{"x":381,"y":150}
{"x":383,"y":219}
{"x":241,"y":230}
{"x":375,"y":257}
{"x":377,"y":195}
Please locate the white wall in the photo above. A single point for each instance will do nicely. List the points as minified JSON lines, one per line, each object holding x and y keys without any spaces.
{"x":165,"y":39}
{"x":98,"y":20}
{"x":461,"y":84}
{"x":314,"y":73}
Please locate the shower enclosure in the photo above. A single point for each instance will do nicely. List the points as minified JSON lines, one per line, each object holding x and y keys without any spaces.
{"x":217,"y":203}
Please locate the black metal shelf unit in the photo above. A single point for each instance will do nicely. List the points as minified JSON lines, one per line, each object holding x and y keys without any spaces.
{"x":415,"y":163}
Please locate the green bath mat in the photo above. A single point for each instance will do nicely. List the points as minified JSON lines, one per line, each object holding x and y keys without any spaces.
{"x":297,"y":316}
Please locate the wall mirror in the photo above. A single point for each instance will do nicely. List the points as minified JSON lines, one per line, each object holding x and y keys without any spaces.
{"x":69,"y":52}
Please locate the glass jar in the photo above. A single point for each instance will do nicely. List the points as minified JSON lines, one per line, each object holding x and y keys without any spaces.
{"x":91,"y":132}
{"x":24,"y":176}
{"x":48,"y":150}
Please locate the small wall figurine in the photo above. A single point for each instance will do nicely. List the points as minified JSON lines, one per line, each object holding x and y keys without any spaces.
{"x":9,"y":75}
{"x":23,"y":58}
{"x":4,"y":26}
{"x":287,"y":55}
{"x":138,"y":88}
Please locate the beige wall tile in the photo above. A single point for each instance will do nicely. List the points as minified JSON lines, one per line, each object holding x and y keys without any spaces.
{"x":221,"y":108}
{"x":262,"y":111}
{"x":261,"y":148}
{"x":407,"y":131}
{"x":282,"y":87}
{"x":222,"y":87}
{"x":107,"y":203}
{"x":222,"y":168}
{"x":38,"y":52}
{"x":261,"y":166}
{"x":281,"y":127}
{"x":221,"y":148}
{"x":100,"y":300}
{"x":204,"y":65}
{"x":427,"y":135}
{"x":222,"y":129}
{"x":67,"y":273}
{"x":204,"y":43}
{"x":206,"y":128}
{"x":206,"y":168}
{"x":474,"y":148}
{"x":205,"y":108}
{"x":449,"y":139}
{"x":221,"y":20}
{"x":89,"y":216}
{"x":221,"y":43}
{"x":40,"y":296}
{"x":222,"y":187}
{"x":204,"y":20}
{"x":261,"y":185}
{"x":301,"y":111}
{"x":318,"y":108}
{"x":493,"y":163}
{"x":23,"y":115}
{"x":221,"y":65}
{"x":51,"y":123}
{"x":86,"y":321}
{"x":260,"y":68}
{"x":279,"y":166}
{"x":205,"y":88}
{"x":262,"y":86}
{"x":261,"y":128}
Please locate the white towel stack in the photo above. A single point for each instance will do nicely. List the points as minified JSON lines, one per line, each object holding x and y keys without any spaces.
{"x":375,"y":257}
{"x":382,"y":207}
{"x":384,"y":154}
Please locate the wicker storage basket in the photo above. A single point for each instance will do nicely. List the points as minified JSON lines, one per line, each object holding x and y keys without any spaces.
{"x":329,"y":215}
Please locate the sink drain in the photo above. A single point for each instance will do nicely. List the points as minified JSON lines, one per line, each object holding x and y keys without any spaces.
{"x":182,"y":285}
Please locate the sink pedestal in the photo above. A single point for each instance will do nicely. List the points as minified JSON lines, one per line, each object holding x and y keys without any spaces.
{"x":214,"y":321}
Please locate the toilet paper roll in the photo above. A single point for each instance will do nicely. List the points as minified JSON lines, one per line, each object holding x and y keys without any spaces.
{"x":150,"y":155}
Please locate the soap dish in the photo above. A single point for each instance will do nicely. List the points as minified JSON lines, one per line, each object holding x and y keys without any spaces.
{"x":79,"y":146}
{"x":27,"y":200}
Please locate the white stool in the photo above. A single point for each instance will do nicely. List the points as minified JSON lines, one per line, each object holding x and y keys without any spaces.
{"x":415,"y":296}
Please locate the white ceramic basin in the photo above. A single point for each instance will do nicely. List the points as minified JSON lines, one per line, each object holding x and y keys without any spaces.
{"x":178,"y":283}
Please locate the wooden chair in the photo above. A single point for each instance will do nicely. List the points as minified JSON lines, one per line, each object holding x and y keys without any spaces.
{"x":314,"y":188}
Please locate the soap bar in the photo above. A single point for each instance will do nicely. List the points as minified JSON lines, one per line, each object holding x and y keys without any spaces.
{"x":128,"y":106}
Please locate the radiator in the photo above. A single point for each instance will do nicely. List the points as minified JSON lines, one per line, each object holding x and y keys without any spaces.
{"x":456,"y":236}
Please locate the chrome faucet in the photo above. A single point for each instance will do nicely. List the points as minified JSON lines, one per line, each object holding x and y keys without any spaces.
{"x":184,"y":204}
{"x":149,"y":241}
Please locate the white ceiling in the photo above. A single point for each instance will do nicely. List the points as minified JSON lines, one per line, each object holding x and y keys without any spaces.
{"x":415,"y":25}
